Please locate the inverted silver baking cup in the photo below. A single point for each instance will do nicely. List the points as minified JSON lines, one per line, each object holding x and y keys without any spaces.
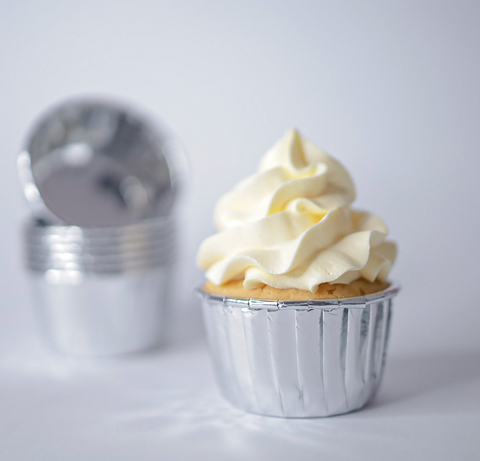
{"x":298,"y":358}
{"x":97,"y":163}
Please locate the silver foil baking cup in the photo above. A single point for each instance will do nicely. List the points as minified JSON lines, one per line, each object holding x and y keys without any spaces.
{"x":66,"y":244}
{"x":98,"y":163}
{"x":101,"y":179}
{"x":156,"y":249}
{"x":298,"y":358}
{"x":118,"y":253}
{"x":95,"y":314}
{"x":40,"y":231}
{"x":118,"y":268}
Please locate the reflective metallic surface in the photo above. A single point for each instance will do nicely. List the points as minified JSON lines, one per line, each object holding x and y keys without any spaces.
{"x":101,"y":180}
{"x":298,"y":358}
{"x":100,"y":250}
{"x":96,"y":163}
{"x":102,"y":293}
{"x":94,"y":314}
{"x":151,"y":227}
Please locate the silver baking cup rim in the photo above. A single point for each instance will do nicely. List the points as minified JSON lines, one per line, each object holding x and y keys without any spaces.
{"x":171,"y":149}
{"x":146,"y":227}
{"x":105,"y":250}
{"x":302,"y":358}
{"x":301,"y":304}
{"x":128,"y":265}
{"x":76,"y":249}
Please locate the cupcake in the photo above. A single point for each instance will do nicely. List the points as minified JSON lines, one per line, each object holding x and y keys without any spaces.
{"x":297,"y":302}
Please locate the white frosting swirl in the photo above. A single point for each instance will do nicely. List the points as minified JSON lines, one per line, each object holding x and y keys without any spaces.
{"x":290,"y":226}
{"x":294,"y":175}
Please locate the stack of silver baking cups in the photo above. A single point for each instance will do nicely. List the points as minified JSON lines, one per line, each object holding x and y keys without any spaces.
{"x":101,"y":180}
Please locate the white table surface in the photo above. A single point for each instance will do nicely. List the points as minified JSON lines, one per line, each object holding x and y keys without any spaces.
{"x":164,"y":405}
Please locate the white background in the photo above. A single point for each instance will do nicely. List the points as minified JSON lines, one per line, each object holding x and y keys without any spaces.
{"x":389,"y":88}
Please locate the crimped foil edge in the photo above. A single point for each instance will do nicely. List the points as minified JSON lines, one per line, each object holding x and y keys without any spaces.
{"x":359,"y":302}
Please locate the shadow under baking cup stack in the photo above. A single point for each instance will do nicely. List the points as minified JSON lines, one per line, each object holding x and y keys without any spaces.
{"x":101,"y":181}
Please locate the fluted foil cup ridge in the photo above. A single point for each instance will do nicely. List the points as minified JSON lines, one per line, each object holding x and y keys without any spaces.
{"x":321,"y":358}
